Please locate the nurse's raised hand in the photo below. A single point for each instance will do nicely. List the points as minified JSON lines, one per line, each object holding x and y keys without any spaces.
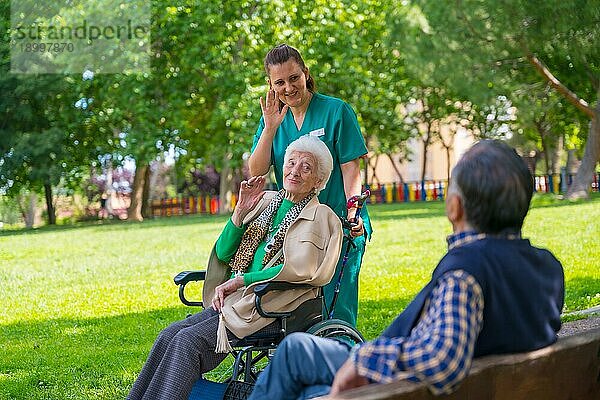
{"x":272,"y":115}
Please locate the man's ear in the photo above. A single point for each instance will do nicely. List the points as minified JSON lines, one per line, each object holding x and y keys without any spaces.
{"x":454,"y":209}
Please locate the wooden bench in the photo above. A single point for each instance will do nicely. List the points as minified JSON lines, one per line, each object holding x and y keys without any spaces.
{"x":569,"y":369}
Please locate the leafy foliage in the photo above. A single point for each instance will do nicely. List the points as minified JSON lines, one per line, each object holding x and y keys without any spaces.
{"x":485,"y":49}
{"x":197,"y":101}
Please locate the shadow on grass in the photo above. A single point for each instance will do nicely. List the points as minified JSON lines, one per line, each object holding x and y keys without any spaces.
{"x":78,"y":358}
{"x":100,"y":357}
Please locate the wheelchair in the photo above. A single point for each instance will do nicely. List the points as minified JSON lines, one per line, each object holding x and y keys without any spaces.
{"x":252,"y":352}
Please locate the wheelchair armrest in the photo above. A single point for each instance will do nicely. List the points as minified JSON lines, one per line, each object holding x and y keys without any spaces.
{"x":185,"y":277}
{"x":264,"y":288}
{"x":188,"y":276}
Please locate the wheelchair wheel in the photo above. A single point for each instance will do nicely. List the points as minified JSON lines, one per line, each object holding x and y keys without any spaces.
{"x":336,"y":328}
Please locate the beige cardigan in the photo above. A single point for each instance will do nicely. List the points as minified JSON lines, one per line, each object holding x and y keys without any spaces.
{"x":311,"y":250}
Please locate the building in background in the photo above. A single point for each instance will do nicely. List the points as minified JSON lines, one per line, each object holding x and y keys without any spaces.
{"x":437,"y":165}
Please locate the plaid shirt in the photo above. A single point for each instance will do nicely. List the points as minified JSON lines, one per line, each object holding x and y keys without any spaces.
{"x":439,"y":350}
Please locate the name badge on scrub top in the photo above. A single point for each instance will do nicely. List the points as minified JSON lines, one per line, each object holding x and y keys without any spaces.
{"x":317,"y":132}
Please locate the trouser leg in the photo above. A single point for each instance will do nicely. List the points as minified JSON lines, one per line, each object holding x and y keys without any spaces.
{"x":181,"y":353}
{"x":301,"y":360}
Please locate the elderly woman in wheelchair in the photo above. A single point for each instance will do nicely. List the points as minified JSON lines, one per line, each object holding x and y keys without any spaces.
{"x":287,"y":236}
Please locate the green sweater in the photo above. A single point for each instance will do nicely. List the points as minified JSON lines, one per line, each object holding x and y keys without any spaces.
{"x":230,"y":239}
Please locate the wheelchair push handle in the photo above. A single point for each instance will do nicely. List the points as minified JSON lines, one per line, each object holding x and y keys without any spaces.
{"x":357,"y":201}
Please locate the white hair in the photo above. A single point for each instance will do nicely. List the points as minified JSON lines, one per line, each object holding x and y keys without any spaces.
{"x":313,"y":145}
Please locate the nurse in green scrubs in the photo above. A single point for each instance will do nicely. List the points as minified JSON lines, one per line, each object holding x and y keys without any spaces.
{"x":293,"y":108}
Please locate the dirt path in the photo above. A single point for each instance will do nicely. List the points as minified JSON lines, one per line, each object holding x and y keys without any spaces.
{"x":569,"y":328}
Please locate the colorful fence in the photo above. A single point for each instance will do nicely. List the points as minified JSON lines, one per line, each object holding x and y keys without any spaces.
{"x":407,"y":191}
{"x":380,"y":193}
{"x":558,"y":183}
{"x":436,"y":190}
{"x":188,"y":205}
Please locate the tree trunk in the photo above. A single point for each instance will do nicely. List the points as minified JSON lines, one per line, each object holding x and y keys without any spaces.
{"x":571,"y":160}
{"x":583,"y":179}
{"x":585,"y":174}
{"x":28,"y":209}
{"x":374,"y":177}
{"x":448,"y":147}
{"x":395,"y":167}
{"x":108,"y":189}
{"x":545,"y":147}
{"x":424,"y":164}
{"x":555,"y":160}
{"x":225,"y":184}
{"x":146,"y":211}
{"x":366,"y":169}
{"x":546,"y":151}
{"x":49,"y":204}
{"x":447,"y":163}
{"x":134,"y":212}
{"x":366,"y":161}
{"x":426,"y":141}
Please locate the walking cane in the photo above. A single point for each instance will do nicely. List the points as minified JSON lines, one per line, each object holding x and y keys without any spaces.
{"x":357,"y":202}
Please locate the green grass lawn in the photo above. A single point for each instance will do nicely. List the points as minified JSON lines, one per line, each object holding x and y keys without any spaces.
{"x":81,"y":305}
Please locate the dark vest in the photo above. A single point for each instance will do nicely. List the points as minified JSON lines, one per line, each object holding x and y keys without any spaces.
{"x":523,"y":292}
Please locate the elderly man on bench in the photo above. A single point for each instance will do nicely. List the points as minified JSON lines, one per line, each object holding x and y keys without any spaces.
{"x":492,"y":293}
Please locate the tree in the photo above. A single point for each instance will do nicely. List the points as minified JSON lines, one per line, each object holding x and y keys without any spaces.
{"x":34,"y":146}
{"x":223,"y":102}
{"x":48,"y":128}
{"x":489,"y":48}
{"x":197,"y":102}
{"x":547,"y":125}
{"x":424,"y":115}
{"x":363,"y":68}
{"x":457,"y":120}
{"x":212,"y":79}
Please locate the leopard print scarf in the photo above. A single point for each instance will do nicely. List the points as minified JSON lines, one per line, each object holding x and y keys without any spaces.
{"x":258,"y":230}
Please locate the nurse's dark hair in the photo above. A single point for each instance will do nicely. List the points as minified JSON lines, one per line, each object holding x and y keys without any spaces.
{"x":281,"y":54}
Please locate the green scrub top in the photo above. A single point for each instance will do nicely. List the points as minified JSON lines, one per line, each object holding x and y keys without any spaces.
{"x":334,"y":122}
